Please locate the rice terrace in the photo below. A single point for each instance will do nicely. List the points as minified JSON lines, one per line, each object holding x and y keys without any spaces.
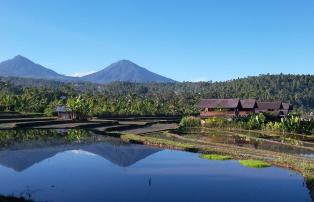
{"x":231,"y":120}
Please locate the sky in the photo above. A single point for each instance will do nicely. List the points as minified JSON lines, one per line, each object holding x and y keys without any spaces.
{"x":186,"y":40}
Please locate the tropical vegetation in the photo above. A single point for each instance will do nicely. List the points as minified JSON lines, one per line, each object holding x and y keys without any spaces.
{"x":291,"y":123}
{"x":135,"y":99}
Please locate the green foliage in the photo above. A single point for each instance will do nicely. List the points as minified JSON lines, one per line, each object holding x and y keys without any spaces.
{"x":273,"y":126}
{"x":80,"y":106}
{"x":255,"y":163}
{"x":256,"y":121}
{"x":153,"y":99}
{"x":11,"y":137}
{"x":75,"y":135}
{"x":190,"y":122}
{"x":215,"y":157}
{"x":253,"y":122}
{"x":292,"y":124}
{"x":51,"y":108}
{"x":215,"y":122}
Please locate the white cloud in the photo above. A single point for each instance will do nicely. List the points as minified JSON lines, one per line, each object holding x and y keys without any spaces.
{"x":79,"y":74}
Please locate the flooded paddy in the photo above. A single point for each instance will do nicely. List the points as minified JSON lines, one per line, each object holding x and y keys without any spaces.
{"x":257,"y":140}
{"x":77,"y":165}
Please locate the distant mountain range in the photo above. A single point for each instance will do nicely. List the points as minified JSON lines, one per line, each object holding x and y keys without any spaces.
{"x":123,"y":70}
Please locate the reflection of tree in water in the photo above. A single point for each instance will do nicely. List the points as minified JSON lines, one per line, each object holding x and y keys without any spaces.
{"x":14,"y":199}
{"x":11,"y":137}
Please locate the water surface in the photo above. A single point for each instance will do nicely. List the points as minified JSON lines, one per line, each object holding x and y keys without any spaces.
{"x":108,"y":170}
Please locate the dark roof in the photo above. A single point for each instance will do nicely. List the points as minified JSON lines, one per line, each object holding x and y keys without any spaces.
{"x":287,"y":106}
{"x":219,"y":103}
{"x":276,"y":105}
{"x":248,"y":103}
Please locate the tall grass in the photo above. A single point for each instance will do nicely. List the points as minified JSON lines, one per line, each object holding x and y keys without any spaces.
{"x":190,"y":122}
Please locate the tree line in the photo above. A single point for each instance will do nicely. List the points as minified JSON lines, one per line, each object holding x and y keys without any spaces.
{"x":128,"y":99}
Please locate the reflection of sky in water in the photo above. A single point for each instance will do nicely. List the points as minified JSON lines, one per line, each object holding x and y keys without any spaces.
{"x":79,"y":175}
{"x":264,"y":144}
{"x":82,"y":152}
{"x":309,"y":155}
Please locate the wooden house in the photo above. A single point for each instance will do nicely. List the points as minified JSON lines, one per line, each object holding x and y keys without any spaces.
{"x":219,"y":107}
{"x":274,"y":108}
{"x":245,"y":107}
{"x":248,"y":107}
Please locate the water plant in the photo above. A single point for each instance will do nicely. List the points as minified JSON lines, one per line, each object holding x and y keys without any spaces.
{"x":254,"y":163}
{"x":215,"y":157}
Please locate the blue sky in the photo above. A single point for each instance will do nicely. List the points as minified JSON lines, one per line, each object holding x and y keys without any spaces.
{"x":186,"y":40}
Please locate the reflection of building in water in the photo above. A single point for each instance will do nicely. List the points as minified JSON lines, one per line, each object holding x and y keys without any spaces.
{"x":120,"y":154}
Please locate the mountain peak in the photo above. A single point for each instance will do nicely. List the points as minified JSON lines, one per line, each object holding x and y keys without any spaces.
{"x":20,"y":57}
{"x":124,"y":63}
{"x":126,"y":70}
{"x":20,"y":66}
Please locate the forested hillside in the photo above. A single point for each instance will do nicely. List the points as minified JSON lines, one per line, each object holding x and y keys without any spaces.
{"x":31,"y":95}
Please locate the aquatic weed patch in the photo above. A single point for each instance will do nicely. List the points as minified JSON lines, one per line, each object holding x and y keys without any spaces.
{"x":215,"y":157}
{"x":254,"y":163}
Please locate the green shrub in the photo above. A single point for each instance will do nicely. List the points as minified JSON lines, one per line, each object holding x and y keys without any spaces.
{"x":190,"y":121}
{"x":51,"y":108}
{"x":277,"y":126}
{"x":292,"y":124}
{"x":215,"y":122}
{"x":256,"y":121}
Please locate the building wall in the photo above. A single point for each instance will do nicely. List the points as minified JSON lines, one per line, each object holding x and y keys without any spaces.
{"x":246,"y":112}
{"x":65,"y":115}
{"x":218,"y":113}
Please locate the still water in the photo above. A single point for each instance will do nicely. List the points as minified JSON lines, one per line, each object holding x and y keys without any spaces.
{"x":108,"y":170}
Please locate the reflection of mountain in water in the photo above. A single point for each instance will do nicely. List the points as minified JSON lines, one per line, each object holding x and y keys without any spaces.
{"x":117,"y":152}
{"x":123,"y":155}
